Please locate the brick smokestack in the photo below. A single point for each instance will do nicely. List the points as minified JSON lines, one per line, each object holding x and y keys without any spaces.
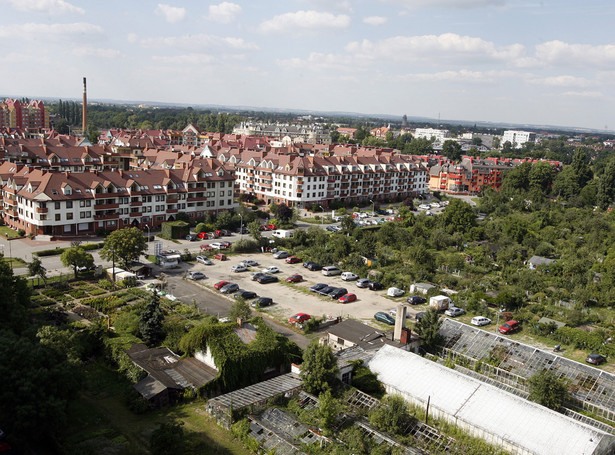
{"x":84,"y":119}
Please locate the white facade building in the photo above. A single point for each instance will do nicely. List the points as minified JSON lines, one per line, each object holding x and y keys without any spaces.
{"x":428,"y":133}
{"x":518,"y":138}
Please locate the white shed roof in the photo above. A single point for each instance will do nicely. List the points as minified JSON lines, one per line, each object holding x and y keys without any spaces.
{"x":522,"y":423}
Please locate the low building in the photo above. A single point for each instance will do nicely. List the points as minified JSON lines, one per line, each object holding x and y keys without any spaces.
{"x":518,"y":138}
{"x":539,"y":262}
{"x":501,"y":418}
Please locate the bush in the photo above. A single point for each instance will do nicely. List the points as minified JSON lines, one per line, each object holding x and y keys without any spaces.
{"x":21,"y":232}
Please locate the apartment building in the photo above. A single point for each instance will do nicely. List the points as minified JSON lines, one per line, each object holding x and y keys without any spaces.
{"x":303,"y":181}
{"x":518,"y":138}
{"x":65,"y":204}
{"x":429,"y":133}
{"x":31,"y":115}
{"x":303,"y":133}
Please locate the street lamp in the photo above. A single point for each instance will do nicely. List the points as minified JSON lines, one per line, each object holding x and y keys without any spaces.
{"x":148,"y":235}
{"x":241,"y":226}
{"x":322,"y":218}
{"x":373,"y":206}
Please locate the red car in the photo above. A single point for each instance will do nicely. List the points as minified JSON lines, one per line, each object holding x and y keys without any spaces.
{"x":347,"y":298}
{"x":272,"y":227}
{"x":299,"y":318}
{"x":206,"y":247}
{"x":219,"y":233}
{"x":220,"y":284}
{"x":202,"y":235}
{"x":509,"y":327}
{"x":296,"y":278}
{"x":220,"y":256}
{"x":225,"y":244}
{"x":293,"y":260}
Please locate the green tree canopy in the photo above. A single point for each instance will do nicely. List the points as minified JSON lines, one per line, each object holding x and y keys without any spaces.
{"x":458,"y":216}
{"x":546,"y":389}
{"x":240,"y":310}
{"x":452,"y":150}
{"x":392,"y":416}
{"x":124,"y":245}
{"x":151,"y":320}
{"x":75,"y":257}
{"x":427,"y":328}
{"x":319,"y":368}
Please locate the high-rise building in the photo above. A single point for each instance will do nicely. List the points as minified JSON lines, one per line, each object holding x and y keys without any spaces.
{"x":15,"y":114}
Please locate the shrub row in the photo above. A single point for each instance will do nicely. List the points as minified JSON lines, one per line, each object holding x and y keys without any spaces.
{"x":56,"y":251}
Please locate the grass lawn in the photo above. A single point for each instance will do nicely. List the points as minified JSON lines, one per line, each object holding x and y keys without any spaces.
{"x":99,"y":421}
{"x":15,"y":262}
{"x":8,"y":232}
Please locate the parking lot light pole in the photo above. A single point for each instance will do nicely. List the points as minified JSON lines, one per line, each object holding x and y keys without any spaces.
{"x":241,"y":226}
{"x":148,"y":235}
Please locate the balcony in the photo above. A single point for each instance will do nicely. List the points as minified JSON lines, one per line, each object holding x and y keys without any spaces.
{"x":172,"y":199}
{"x":136,"y":203}
{"x":196,"y":198}
{"x":107,"y":216}
{"x":135,"y":214}
{"x":42,"y":210}
{"x":12,"y":213}
{"x":172,"y":210}
{"x":106,"y":206}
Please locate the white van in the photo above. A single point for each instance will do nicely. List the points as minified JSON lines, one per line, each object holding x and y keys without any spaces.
{"x":331,"y":270}
{"x":283,"y":234}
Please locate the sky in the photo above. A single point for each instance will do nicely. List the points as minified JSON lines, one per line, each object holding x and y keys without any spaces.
{"x":527,"y":62}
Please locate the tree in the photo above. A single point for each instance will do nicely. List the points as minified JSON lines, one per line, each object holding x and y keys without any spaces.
{"x":392,"y":416}
{"x":347,"y":224}
{"x":151,"y":320}
{"x":284,"y":213}
{"x":546,"y":389}
{"x":255,"y":231}
{"x":458,"y":216}
{"x":124,"y":245}
{"x":421,"y":146}
{"x":76,"y":257}
{"x":35,"y":268}
{"x":328,"y":410}
{"x":541,"y":176}
{"x":240,"y":310}
{"x":452,"y":150}
{"x":167,"y":438}
{"x":319,"y":369}
{"x":427,"y":329}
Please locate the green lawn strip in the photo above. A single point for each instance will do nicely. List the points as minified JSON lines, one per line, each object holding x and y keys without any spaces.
{"x":8,"y":232}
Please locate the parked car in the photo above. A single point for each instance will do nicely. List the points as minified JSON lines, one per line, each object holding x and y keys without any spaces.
{"x":393,"y":312}
{"x":299,"y":318}
{"x":363,"y":283}
{"x":229,"y":288}
{"x":375,"y":286}
{"x":272,"y":227}
{"x":480,"y":321}
{"x":192,"y":237}
{"x":246,"y":295}
{"x":331,"y":270}
{"x":453,"y":312}
{"x":220,"y":284}
{"x":420,"y":315}
{"x":293,"y":260}
{"x":216,"y":245}
{"x":204,"y":260}
{"x":416,"y":300}
{"x":202,"y":236}
{"x":312,"y":266}
{"x":212,"y":235}
{"x":219,"y":232}
{"x":509,"y":327}
{"x":239,"y":268}
{"x":264,"y":279}
{"x":256,"y":275}
{"x":326,"y":290}
{"x":349,"y":276}
{"x":281,"y":254}
{"x":347,"y":298}
{"x":317,"y":287}
{"x":395,"y":292}
{"x":206,"y":247}
{"x":262,"y":302}
{"x":384,"y":317}
{"x":595,"y":359}
{"x":337,"y":293}
{"x":85,"y":268}
{"x":225,"y":245}
{"x":249,"y":263}
{"x":296,"y":278}
{"x":196,"y":275}
{"x":220,"y":256}
{"x":271,"y":269}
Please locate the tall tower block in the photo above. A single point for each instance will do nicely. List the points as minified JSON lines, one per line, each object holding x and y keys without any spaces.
{"x":84,"y":119}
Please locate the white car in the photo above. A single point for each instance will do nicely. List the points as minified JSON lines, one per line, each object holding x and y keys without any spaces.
{"x":435,"y":205}
{"x":480,"y":321}
{"x":239,"y":268}
{"x":349,"y":276}
{"x":395,"y":292}
{"x":271,"y":269}
{"x":425,"y":206}
{"x":216,"y":245}
{"x":249,"y":263}
{"x":393,"y":312}
{"x":453,"y":312}
{"x":204,"y":260}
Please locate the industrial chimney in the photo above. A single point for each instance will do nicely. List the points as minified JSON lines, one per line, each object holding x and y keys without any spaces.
{"x":84,"y":119}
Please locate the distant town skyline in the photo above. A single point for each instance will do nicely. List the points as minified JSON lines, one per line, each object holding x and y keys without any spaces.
{"x":475,"y":60}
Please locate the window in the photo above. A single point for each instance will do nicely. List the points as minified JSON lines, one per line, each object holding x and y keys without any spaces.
{"x":69,"y":216}
{"x":58,"y":217}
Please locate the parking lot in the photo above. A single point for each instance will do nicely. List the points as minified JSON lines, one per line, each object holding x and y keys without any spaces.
{"x":291,"y":298}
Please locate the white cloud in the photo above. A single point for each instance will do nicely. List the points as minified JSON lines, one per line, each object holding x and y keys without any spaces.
{"x":132,"y":38}
{"x":585,"y":94}
{"x":86,"y":51}
{"x":46,"y":6}
{"x":462,"y":75}
{"x":561,"y":81}
{"x":224,"y":13}
{"x":560,"y":53}
{"x":456,"y":4}
{"x":184,"y":60}
{"x":435,"y":48}
{"x":32,"y":31}
{"x":335,"y":5}
{"x":170,"y":13}
{"x":198,"y":41}
{"x":318,"y":62}
{"x":304,"y":20}
{"x":375,"y":20}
